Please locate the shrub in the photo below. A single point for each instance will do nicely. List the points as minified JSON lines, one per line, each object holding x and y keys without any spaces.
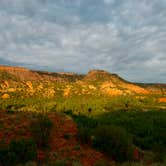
{"x":101,"y":163}
{"x":76,"y":163}
{"x":18,"y":151}
{"x":159,"y":153}
{"x":23,"y":150}
{"x":132,"y":164}
{"x":29,"y":163}
{"x":67,"y":136}
{"x":84,"y":135}
{"x":115,"y":141}
{"x":41,"y":130}
{"x":59,"y":163}
{"x":4,"y":149}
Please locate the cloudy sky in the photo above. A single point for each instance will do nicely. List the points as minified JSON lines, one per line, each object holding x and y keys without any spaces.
{"x":127,"y":37}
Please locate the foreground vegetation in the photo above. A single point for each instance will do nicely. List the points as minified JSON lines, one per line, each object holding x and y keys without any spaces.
{"x":144,"y":130}
{"x":130,"y":130}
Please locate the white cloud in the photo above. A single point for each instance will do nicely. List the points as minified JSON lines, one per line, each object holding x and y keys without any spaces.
{"x":130,"y":42}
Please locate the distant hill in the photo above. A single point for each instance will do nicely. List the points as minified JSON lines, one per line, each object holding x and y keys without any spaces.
{"x":96,"y":82}
{"x":155,"y":88}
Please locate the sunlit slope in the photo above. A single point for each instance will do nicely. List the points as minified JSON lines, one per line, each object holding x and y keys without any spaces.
{"x":24,"y":82}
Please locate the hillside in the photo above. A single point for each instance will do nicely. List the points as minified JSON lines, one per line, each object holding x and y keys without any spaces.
{"x":63,"y":142}
{"x":69,"y":119}
{"x":154,"y":88}
{"x":97,"y":82}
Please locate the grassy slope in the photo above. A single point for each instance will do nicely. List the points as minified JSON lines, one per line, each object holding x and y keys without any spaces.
{"x":80,"y":99}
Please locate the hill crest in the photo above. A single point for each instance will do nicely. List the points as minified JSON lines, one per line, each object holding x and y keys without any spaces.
{"x":94,"y":82}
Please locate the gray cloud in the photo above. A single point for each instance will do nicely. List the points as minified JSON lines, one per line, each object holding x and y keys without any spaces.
{"x":124,"y":37}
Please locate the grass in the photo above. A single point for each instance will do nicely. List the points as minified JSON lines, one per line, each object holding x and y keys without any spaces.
{"x":18,"y":151}
{"x":146,"y":128}
{"x":41,"y":130}
{"x":141,"y":116}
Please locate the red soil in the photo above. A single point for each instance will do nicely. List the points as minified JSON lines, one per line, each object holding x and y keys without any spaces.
{"x":63,"y":142}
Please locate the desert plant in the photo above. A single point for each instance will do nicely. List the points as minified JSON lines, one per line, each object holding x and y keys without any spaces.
{"x":114,"y":141}
{"x":41,"y":130}
{"x":84,"y":135}
{"x":76,"y":163}
{"x":4,"y":149}
{"x":23,"y":150}
{"x":159,"y":153}
{"x":59,"y":163}
{"x":18,"y":151}
{"x":101,"y":163}
{"x":29,"y":163}
{"x":67,"y":136}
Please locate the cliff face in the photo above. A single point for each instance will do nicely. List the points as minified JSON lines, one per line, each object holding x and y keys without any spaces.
{"x":24,"y":74}
{"x":12,"y":69}
{"x":19,"y":73}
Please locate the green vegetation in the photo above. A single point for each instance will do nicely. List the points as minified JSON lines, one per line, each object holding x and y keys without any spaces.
{"x":41,"y":130}
{"x":125,"y":121}
{"x":59,"y":163}
{"x":18,"y":151}
{"x":101,"y":163}
{"x":115,"y":125}
{"x":7,"y":76}
{"x":146,"y":128}
{"x":114,"y":141}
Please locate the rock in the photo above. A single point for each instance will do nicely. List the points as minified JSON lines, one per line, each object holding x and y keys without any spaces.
{"x":162,"y":100}
{"x":6,"y":84}
{"x":29,"y":84}
{"x":5,"y":96}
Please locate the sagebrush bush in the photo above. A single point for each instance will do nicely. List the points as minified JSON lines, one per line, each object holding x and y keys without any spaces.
{"x":59,"y":163}
{"x":84,"y":135}
{"x":18,"y":151}
{"x":76,"y":163}
{"x":101,"y":163}
{"x":24,"y":150}
{"x":159,"y":153}
{"x":29,"y":163}
{"x":41,"y":130}
{"x":114,"y":141}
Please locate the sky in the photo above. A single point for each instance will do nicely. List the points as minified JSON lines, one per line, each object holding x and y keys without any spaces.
{"x":127,"y":37}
